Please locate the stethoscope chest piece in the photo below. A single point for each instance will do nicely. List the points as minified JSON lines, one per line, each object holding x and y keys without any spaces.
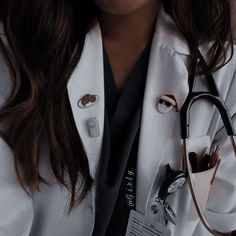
{"x":160,"y":208}
{"x":177,"y":184}
{"x":173,"y":182}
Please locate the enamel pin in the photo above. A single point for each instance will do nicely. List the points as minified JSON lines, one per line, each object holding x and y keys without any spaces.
{"x":167,"y":103}
{"x":93,"y":127}
{"x":87,"y":101}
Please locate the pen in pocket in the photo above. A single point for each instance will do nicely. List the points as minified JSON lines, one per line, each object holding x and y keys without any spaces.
{"x":193,"y":161}
{"x":207,"y":161}
{"x":215,"y":156}
{"x":204,"y":161}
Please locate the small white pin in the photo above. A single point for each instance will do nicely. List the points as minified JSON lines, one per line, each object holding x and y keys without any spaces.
{"x":88,"y":100}
{"x":93,"y":127}
{"x":167,"y":103}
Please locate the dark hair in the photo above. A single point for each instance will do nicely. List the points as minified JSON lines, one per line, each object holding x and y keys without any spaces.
{"x":45,"y":40}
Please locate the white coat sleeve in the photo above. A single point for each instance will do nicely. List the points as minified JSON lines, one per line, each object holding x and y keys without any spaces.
{"x":16,"y":210}
{"x":221,"y":205}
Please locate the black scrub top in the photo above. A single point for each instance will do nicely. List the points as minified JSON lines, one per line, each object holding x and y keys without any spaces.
{"x":116,"y":180}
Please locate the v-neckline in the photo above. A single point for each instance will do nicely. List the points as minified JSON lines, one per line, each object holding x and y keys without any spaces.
{"x":129,"y":76}
{"x":134,"y":86}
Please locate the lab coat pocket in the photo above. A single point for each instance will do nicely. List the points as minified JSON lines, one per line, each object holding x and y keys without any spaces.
{"x":202,"y":183}
{"x":202,"y":180}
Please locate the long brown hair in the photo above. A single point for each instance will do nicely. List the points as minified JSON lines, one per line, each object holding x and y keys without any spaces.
{"x":44,"y":44}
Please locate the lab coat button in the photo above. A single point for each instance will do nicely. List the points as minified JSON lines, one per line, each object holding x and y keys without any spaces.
{"x":167,"y":103}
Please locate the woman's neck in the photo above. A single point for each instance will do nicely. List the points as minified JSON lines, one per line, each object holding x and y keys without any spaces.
{"x":125,"y":38}
{"x":131,"y":29}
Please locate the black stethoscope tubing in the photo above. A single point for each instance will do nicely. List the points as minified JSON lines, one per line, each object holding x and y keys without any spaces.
{"x":214,"y":97}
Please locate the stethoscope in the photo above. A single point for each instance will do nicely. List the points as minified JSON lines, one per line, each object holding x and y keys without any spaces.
{"x":176,"y":180}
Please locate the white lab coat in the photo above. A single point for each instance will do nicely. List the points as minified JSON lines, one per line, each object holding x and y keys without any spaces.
{"x":44,"y":214}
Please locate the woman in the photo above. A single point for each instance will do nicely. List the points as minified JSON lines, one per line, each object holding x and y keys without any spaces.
{"x":86,"y":127}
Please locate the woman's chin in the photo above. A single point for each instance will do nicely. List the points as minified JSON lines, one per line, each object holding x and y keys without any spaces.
{"x":121,"y":7}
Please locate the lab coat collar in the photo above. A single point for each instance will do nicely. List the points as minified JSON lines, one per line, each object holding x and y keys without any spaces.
{"x":88,"y":78}
{"x":167,"y":33}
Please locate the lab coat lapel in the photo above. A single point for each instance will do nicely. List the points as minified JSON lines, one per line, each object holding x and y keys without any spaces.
{"x":87,"y":78}
{"x":167,"y":74}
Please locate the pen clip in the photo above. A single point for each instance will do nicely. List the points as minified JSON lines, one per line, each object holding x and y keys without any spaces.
{"x":216,"y":168}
